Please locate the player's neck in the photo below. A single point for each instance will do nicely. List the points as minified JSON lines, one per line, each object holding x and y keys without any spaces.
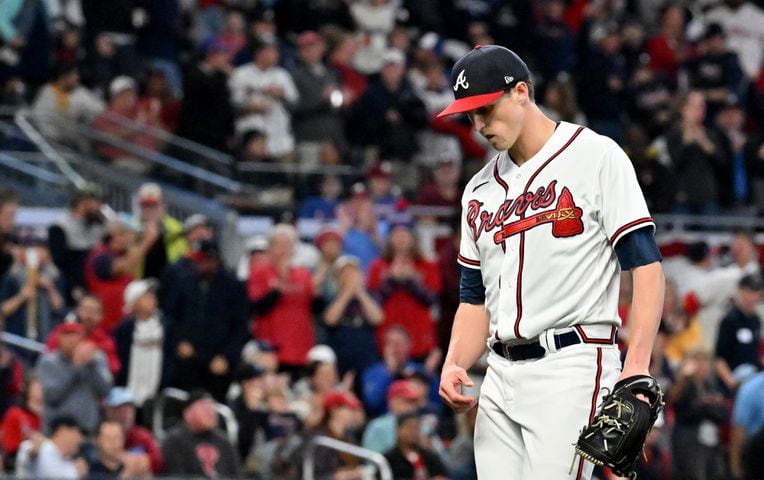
{"x":537,"y":130}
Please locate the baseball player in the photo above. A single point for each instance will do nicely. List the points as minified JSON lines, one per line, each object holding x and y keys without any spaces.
{"x":547,"y":226}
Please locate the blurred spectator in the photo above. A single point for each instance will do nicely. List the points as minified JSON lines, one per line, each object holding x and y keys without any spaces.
{"x":691,"y":269}
{"x":351,"y":318}
{"x":684,"y":330}
{"x":317,"y":115}
{"x":450,"y":275}
{"x":715,"y":71}
{"x":263,"y":93}
{"x":255,"y":251}
{"x":160,"y":38}
{"x":196,"y":446}
{"x":143,"y":343}
{"x":389,"y":114}
{"x":342,"y":416}
{"x":747,"y":430}
{"x":655,"y":178}
{"x":560,"y":103}
{"x":282,"y":294}
{"x":21,"y":422}
{"x":650,"y":101}
{"x":9,"y":205}
{"x":139,"y":441}
{"x":700,"y":411}
{"x":113,"y":461}
{"x":206,"y":115}
{"x":171,"y":245}
{"x":71,"y":237}
{"x":30,"y":292}
{"x":669,"y":48}
{"x":737,"y":346}
{"x":329,"y":244}
{"x":158,"y":94}
{"x":321,"y":379}
{"x":280,"y":456}
{"x":358,"y":224}
{"x":62,"y":104}
{"x":461,"y":451}
{"x":730,"y":121}
{"x":402,"y":398}
{"x":250,"y":410}
{"x":407,"y":285}
{"x":196,"y":228}
{"x":384,"y":195}
{"x":443,"y":190}
{"x":740,"y":20}
{"x":396,"y":364}
{"x":55,"y":456}
{"x":113,"y":264}
{"x":324,"y":205}
{"x":232,"y":37}
{"x":11,"y":374}
{"x":89,"y":313}
{"x":697,"y":158}
{"x":68,"y":42}
{"x":410,"y":458}
{"x":25,"y":30}
{"x":711,"y":294}
{"x":124,"y":120}
{"x":554,"y":42}
{"x":603,"y":82}
{"x":74,"y":378}
{"x":208,"y":306}
{"x":341,"y":59}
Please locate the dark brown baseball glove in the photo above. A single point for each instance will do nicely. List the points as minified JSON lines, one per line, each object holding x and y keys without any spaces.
{"x":618,"y":433}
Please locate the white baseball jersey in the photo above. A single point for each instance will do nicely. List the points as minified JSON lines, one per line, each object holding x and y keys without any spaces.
{"x":542,"y":234}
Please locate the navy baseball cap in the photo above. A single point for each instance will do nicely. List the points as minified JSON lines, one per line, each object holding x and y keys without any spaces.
{"x":483,"y":75}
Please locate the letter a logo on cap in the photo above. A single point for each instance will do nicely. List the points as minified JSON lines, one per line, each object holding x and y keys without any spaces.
{"x":461,"y":81}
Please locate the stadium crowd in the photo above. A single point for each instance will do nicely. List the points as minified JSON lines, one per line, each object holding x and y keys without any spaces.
{"x":342,"y":335}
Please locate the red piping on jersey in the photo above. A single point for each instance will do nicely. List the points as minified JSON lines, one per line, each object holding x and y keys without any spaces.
{"x":601,"y":341}
{"x":628,"y":226}
{"x":468,"y":261}
{"x":498,"y":177}
{"x":522,"y":234}
{"x":594,"y":405}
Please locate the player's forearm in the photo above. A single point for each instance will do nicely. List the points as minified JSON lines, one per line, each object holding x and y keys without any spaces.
{"x":646,"y":307}
{"x":468,"y":335}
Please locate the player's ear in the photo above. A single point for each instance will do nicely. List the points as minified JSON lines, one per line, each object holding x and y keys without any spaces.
{"x":521,"y":91}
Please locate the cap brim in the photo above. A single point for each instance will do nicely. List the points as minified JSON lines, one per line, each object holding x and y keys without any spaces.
{"x":469,"y":103}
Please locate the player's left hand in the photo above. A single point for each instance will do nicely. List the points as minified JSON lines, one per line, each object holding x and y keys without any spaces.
{"x":630,"y":373}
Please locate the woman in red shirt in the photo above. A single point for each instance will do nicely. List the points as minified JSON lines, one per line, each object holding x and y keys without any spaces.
{"x":282,"y":295}
{"x":407,"y":285}
{"x":21,"y":421}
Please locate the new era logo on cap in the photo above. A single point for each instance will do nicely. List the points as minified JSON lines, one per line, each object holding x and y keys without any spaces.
{"x":483,"y":75}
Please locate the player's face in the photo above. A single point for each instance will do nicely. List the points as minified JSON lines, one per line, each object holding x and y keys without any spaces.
{"x":500,"y":122}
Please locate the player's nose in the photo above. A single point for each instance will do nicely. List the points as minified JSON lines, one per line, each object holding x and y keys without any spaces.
{"x":478,"y":123}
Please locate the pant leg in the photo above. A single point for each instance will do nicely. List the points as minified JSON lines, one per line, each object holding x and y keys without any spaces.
{"x":499,"y":446}
{"x":556,"y":397}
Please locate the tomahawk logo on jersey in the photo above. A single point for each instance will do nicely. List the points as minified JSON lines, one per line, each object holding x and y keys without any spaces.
{"x":517,"y":221}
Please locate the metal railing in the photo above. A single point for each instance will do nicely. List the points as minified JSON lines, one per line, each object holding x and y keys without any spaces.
{"x":308,"y":465}
{"x":158,"y":415}
{"x":23,"y":343}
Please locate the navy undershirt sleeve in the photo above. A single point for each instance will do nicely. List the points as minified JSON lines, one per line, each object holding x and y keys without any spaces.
{"x":471,"y":289}
{"x":637,"y":248}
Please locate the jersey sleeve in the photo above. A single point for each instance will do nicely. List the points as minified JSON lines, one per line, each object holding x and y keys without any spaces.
{"x":623,"y":205}
{"x":469,"y":255}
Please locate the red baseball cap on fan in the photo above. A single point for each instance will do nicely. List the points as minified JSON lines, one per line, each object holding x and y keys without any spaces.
{"x":483,"y":75}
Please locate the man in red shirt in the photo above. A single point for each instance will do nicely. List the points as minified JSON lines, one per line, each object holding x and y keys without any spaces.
{"x":120,"y":407}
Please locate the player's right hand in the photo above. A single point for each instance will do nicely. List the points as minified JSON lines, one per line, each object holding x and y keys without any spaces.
{"x":451,"y":380}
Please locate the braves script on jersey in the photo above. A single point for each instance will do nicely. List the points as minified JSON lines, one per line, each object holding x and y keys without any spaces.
{"x":543,"y":234}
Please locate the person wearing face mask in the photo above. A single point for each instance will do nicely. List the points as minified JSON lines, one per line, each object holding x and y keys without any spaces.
{"x":72,"y":236}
